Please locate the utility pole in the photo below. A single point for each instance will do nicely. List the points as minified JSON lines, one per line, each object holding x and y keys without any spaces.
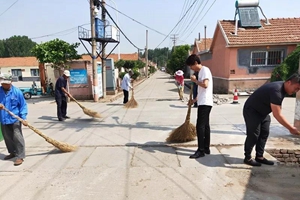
{"x":174,"y":39}
{"x":146,"y":53}
{"x":94,"y":53}
{"x":103,"y":59}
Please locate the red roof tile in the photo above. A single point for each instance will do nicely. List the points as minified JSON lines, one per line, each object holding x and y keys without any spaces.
{"x":204,"y":44}
{"x":132,"y":56}
{"x":18,"y":61}
{"x":281,"y":31}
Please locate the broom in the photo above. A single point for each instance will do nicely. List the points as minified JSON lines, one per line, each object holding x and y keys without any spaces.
{"x":64,"y":147}
{"x":132,"y":102}
{"x":187,"y":131}
{"x":86,"y":111}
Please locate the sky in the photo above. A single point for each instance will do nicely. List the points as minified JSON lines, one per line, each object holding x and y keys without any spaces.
{"x":44,"y":20}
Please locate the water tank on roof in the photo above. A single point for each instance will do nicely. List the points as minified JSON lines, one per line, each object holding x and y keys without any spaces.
{"x":246,"y":3}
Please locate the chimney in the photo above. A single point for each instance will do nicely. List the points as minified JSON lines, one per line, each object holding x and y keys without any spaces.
{"x":205,"y":38}
{"x":199,"y":37}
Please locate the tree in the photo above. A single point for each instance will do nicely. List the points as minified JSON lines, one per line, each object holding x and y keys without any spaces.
{"x":57,"y":52}
{"x":16,"y":46}
{"x":159,"y":55}
{"x":289,"y":66}
{"x":178,"y":57}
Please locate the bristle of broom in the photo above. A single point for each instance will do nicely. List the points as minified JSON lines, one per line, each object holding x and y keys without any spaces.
{"x":132,"y":103}
{"x":64,"y":147}
{"x":184,"y":133}
{"x":91,"y":113}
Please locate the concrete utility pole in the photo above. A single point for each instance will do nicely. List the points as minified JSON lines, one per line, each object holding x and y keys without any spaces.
{"x":103,"y":60}
{"x":174,"y":39}
{"x":94,"y":53}
{"x":146,"y":54}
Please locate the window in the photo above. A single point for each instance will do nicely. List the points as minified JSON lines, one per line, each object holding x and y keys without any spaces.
{"x":34,"y":72}
{"x":266,"y":58}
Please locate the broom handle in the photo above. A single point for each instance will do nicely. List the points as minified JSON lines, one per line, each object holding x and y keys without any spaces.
{"x":188,"y":116}
{"x":65,"y":91}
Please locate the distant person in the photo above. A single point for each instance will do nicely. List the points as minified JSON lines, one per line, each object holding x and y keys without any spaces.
{"x":179,"y":80}
{"x":266,"y":99}
{"x":12,"y":98}
{"x":195,"y":89}
{"x":61,"y":96}
{"x":204,"y":101}
{"x":126,"y":85}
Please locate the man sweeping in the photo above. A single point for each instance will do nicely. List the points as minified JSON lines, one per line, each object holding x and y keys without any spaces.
{"x":126,"y":85}
{"x":61,"y":96}
{"x":12,"y":98}
{"x":179,"y":83}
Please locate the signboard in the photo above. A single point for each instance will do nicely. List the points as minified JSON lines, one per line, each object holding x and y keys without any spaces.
{"x":99,"y":73}
{"x":78,"y":76}
{"x":99,"y":28}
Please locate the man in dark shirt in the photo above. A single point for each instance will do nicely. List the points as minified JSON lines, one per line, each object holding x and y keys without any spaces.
{"x":60,"y":96}
{"x":266,"y":99}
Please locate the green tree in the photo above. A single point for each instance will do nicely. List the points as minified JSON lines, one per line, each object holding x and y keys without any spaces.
{"x":289,"y":66}
{"x":16,"y":46}
{"x":159,"y":55}
{"x":178,"y":57}
{"x":57,"y":52}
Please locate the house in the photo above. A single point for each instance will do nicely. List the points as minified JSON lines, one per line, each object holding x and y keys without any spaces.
{"x":201,"y":45}
{"x":244,"y":57}
{"x":22,"y":68}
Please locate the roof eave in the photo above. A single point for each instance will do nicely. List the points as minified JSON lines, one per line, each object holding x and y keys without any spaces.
{"x":223,"y":32}
{"x":262,"y":44}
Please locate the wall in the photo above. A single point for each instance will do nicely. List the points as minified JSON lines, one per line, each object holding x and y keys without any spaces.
{"x":26,"y":72}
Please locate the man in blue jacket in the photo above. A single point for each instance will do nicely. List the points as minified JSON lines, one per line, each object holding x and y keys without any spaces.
{"x":12,"y":98}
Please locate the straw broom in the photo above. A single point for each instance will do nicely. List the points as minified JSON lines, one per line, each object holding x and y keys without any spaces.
{"x":64,"y":147}
{"x":86,"y":111}
{"x":187,"y":131}
{"x":132,"y":102}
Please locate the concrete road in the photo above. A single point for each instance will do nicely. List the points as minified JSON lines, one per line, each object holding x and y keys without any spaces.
{"x":124,"y":154}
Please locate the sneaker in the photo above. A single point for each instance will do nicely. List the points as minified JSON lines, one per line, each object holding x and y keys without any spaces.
{"x":264,"y":161}
{"x":18,"y":161}
{"x":251,"y":162}
{"x":197,"y":154}
{"x":66,"y":117}
{"x":10,"y":156}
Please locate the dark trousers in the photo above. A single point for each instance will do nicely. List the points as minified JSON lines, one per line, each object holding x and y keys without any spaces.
{"x":195,"y":93}
{"x":203,"y":127}
{"x":61,"y":103}
{"x":13,"y":138}
{"x":126,"y":93}
{"x":257,"y":128}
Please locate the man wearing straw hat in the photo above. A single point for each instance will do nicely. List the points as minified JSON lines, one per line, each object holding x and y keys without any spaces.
{"x":126,"y":86}
{"x":180,"y":83}
{"x":12,"y":98}
{"x":60,"y":96}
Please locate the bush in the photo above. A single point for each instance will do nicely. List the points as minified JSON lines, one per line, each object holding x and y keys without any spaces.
{"x":289,"y":66}
{"x":122,"y":74}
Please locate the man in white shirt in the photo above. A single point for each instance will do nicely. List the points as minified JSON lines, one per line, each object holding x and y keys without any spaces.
{"x":126,"y":86}
{"x":204,"y":100}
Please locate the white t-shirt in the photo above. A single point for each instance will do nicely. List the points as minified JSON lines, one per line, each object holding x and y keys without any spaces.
{"x":205,"y":95}
{"x":125,"y":85}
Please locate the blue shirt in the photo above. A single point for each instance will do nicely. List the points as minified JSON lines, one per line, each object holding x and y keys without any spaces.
{"x":61,"y":82}
{"x":14,"y":101}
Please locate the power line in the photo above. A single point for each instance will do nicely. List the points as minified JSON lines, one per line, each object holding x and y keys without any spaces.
{"x":202,"y":17}
{"x":119,"y":28}
{"x":52,"y":34}
{"x":177,"y":23}
{"x":9,"y":7}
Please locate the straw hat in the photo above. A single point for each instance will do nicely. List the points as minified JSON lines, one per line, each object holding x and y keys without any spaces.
{"x":179,"y":73}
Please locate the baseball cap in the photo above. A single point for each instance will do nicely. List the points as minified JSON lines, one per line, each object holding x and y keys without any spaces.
{"x":6,"y":78}
{"x":67,"y":73}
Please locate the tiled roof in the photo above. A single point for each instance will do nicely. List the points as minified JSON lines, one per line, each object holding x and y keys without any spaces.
{"x":281,"y":31}
{"x":204,"y":44}
{"x":132,"y":56}
{"x":18,"y":61}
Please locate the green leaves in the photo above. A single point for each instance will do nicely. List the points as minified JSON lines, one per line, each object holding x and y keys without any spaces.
{"x":16,"y":46}
{"x":178,"y":57}
{"x":289,"y":66}
{"x":57,"y":52}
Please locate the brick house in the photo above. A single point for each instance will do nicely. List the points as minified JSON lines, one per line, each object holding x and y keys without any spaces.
{"x":201,"y":45}
{"x":244,"y":58}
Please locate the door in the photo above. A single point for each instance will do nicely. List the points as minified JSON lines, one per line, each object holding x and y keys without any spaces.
{"x":18,"y":73}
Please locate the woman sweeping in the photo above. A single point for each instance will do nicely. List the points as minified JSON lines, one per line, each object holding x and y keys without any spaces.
{"x":179,"y":80}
